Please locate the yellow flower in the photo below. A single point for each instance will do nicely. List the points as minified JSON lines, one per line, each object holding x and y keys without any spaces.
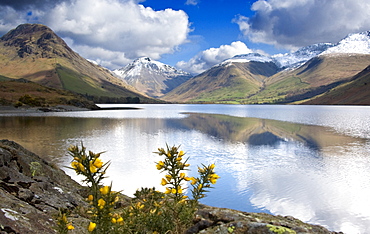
{"x":64,"y":218}
{"x":181,"y":153}
{"x":120,"y":219}
{"x":70,"y":227}
{"x":200,"y":186}
{"x":81,"y":167}
{"x":168,"y":177}
{"x":163,"y":182}
{"x":179,"y":190}
{"x":160,"y":165}
{"x":179,"y":159}
{"x":74,"y":165}
{"x":93,"y":169}
{"x":91,"y":227}
{"x":104,"y":190}
{"x":114,"y":220}
{"x":173,"y":191}
{"x":212,"y":166}
{"x":101,"y":203}
{"x":90,"y":197}
{"x":193,"y":180}
{"x":168,"y":191}
{"x":98,"y":163}
{"x":139,"y":205}
{"x":182,"y":175}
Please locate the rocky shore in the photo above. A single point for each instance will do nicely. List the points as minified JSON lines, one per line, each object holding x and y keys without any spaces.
{"x":33,"y":190}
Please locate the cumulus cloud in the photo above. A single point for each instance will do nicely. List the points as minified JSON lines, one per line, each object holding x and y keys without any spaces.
{"x":295,"y":23}
{"x":210,"y":57}
{"x":109,"y":29}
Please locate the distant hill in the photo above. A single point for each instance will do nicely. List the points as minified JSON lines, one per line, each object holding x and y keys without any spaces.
{"x":34,"y":52}
{"x":228,"y":82}
{"x":151,"y":77}
{"x":284,"y":78}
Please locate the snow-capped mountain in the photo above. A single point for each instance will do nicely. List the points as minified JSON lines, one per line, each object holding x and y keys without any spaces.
{"x":152,"y":77}
{"x":356,"y":43}
{"x":244,"y":58}
{"x":302,"y":55}
{"x":288,"y":60}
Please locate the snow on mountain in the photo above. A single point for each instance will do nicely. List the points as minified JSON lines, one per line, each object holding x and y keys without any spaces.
{"x":150,"y":66}
{"x":152,"y":77}
{"x":358,"y":43}
{"x":244,"y":58}
{"x":302,"y":55}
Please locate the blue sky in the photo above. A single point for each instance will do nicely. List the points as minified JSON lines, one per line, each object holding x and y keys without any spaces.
{"x":190,"y":34}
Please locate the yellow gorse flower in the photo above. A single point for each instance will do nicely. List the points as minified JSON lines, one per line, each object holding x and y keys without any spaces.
{"x":90,"y":197}
{"x":163,"y":182}
{"x":168,"y":177}
{"x":70,"y":227}
{"x":98,"y":163}
{"x":193,"y":180}
{"x":160,"y":165}
{"x":104,"y":190}
{"x":101,"y":203}
{"x":91,"y":227}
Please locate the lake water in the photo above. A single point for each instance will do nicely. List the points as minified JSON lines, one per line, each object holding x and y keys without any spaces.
{"x":310,"y":162}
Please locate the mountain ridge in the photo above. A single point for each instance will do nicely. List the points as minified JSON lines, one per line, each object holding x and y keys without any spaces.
{"x":303,"y":74}
{"x":34,"y":52}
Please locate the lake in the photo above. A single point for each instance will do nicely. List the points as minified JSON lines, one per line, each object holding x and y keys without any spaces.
{"x":310,"y":162}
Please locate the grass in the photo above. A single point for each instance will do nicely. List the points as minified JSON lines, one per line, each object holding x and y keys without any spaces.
{"x":234,"y":93}
{"x":278,"y":91}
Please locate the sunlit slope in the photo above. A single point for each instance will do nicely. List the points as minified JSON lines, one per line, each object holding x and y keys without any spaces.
{"x":226,"y":83}
{"x":315,"y":77}
{"x":355,"y":92}
{"x":34,"y":52}
{"x":20,"y":92}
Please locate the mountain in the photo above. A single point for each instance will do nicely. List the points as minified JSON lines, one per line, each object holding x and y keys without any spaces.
{"x":152,"y":77}
{"x":21,"y":92}
{"x":231,"y":81}
{"x":355,"y":92}
{"x":34,"y":52}
{"x":303,"y":74}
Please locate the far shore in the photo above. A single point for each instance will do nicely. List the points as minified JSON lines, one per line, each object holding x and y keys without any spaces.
{"x":58,"y":108}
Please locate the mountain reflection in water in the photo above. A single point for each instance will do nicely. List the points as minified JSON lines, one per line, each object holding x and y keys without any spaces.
{"x":256,"y":131}
{"x":307,"y":171}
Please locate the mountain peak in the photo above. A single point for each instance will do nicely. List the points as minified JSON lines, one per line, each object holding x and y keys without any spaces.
{"x":36,"y":40}
{"x":355,"y":43}
{"x":151,"y":77}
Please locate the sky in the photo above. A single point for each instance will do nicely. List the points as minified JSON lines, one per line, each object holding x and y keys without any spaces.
{"x":192,"y":35}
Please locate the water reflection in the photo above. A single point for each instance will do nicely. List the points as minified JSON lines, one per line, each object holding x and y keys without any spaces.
{"x":310,"y":172}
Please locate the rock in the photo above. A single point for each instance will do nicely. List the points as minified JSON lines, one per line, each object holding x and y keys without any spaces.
{"x":32,"y":190}
{"x":224,"y":221}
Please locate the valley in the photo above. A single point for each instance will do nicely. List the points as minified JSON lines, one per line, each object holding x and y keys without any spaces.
{"x":324,"y":73}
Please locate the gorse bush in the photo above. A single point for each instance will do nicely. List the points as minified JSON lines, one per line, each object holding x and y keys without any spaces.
{"x":150,"y":211}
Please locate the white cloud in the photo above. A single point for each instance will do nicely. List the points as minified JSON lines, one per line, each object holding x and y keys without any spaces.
{"x":117,"y":30}
{"x":191,"y":2}
{"x":296,"y":23}
{"x":210,"y":57}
